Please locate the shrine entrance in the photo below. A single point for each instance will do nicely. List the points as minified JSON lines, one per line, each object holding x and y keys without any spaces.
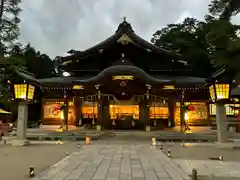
{"x":123,"y":116}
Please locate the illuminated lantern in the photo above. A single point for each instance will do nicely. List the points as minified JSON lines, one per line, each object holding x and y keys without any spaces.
{"x":24,"y":91}
{"x":55,"y":107}
{"x":219,"y":91}
{"x":191,"y":108}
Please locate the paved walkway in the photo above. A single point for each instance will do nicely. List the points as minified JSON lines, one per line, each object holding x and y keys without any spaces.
{"x":114,"y":162}
{"x":210,"y":168}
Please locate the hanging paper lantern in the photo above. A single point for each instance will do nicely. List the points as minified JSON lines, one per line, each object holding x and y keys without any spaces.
{"x":191,"y":108}
{"x":55,"y":107}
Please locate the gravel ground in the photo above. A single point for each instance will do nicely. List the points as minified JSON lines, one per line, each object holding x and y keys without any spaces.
{"x":15,"y":160}
{"x":202,"y":153}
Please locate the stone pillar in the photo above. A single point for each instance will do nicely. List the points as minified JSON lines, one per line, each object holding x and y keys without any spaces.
{"x":221,"y":119}
{"x":65,"y":111}
{"x":21,"y":125}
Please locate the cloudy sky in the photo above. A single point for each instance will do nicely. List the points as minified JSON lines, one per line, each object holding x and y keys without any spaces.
{"x":56,"y":26}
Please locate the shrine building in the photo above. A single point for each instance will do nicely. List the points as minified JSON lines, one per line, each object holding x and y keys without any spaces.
{"x":126,"y":82}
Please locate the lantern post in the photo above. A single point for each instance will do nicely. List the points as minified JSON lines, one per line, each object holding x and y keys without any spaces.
{"x":24,"y":94}
{"x":220,"y":95}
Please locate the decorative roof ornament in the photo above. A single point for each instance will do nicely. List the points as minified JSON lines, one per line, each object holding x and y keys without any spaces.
{"x":124,"y":39}
{"x":125,"y":26}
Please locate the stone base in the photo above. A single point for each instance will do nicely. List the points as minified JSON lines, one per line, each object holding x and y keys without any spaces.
{"x":20,"y":142}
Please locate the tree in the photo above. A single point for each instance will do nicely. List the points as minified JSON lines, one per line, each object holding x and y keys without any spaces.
{"x":225,"y":9}
{"x":225,"y":45}
{"x":9,"y":23}
{"x":224,"y":42}
{"x":37,"y":63}
{"x":188,"y":39}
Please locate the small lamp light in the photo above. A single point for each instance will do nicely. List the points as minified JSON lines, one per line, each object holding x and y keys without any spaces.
{"x":194,"y":174}
{"x":78,"y":145}
{"x":59,"y":142}
{"x":31,"y":172}
{"x":161,"y":147}
{"x":88,"y":140}
{"x":220,"y":158}
{"x":169,"y":153}
{"x":154,"y":143}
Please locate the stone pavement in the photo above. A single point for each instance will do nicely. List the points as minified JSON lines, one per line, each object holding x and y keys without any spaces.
{"x":227,"y":169}
{"x":114,"y":162}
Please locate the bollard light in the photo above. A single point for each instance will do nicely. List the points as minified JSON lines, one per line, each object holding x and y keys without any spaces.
{"x":88,"y":140}
{"x":161,"y":147}
{"x":220,"y":158}
{"x":169,"y":153}
{"x":59,"y":142}
{"x":31,"y":172}
{"x":194,"y":174}
{"x":154,"y":143}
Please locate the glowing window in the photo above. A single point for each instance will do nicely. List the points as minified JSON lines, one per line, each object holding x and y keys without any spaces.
{"x":90,"y":110}
{"x":31,"y":90}
{"x":200,"y":112}
{"x":116,"y":111}
{"x":229,"y":110}
{"x":20,"y":91}
{"x":222,"y":91}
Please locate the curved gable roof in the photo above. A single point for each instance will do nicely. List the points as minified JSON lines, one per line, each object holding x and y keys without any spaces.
{"x":123,"y":33}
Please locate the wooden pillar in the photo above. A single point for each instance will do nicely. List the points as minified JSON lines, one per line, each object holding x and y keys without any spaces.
{"x":144,"y":108}
{"x":171,"y":108}
{"x":182,"y":112}
{"x":106,"y":123}
{"x":78,"y":103}
{"x":144,"y":113}
{"x":100,"y":112}
{"x":65,"y":111}
{"x":100,"y":108}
